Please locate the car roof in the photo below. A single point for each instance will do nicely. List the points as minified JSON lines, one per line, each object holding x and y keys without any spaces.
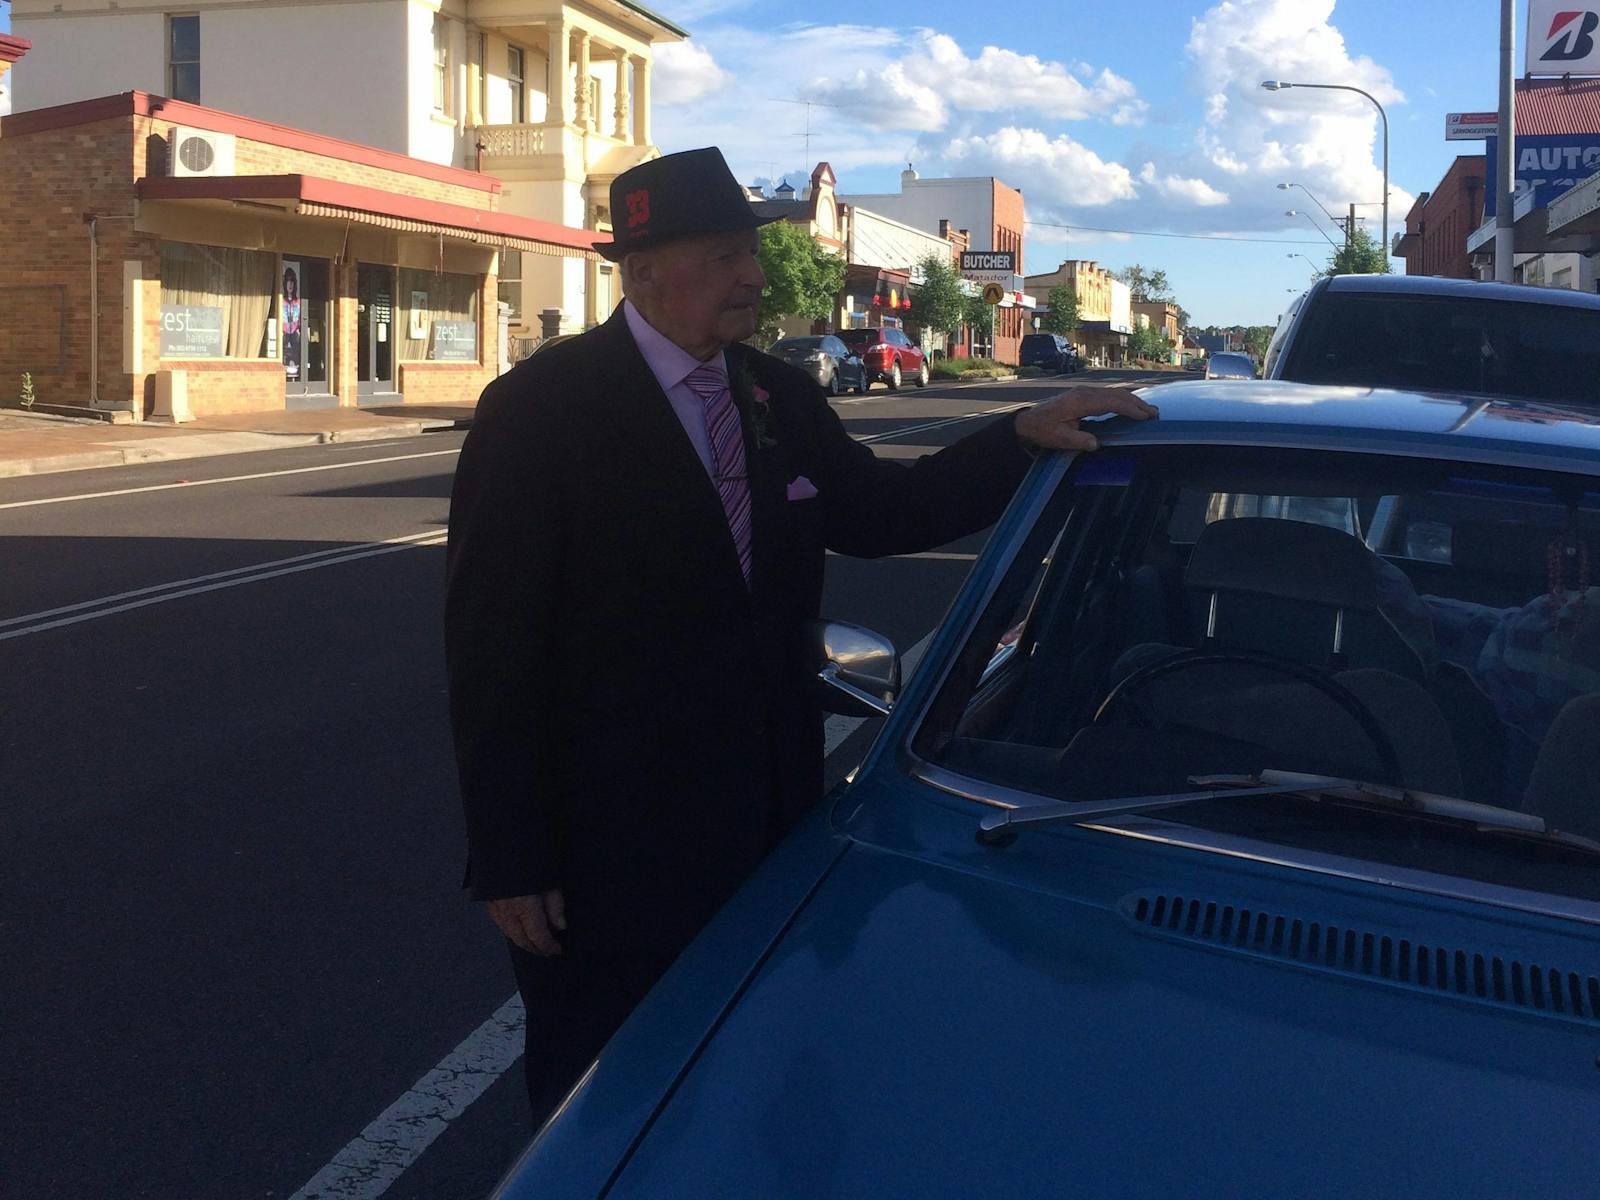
{"x":1466,"y":289}
{"x":1273,"y":412}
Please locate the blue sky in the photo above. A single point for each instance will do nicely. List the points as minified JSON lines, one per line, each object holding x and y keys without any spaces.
{"x":1125,"y":116}
{"x":1143,"y":117}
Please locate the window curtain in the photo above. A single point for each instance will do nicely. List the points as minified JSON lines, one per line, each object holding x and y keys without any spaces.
{"x":239,"y":282}
{"x":429,"y":296}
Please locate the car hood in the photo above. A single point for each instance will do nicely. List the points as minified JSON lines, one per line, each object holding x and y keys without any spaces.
{"x":926,"y":1031}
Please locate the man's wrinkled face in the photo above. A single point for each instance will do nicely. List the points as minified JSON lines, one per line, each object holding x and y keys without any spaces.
{"x":701,"y":291}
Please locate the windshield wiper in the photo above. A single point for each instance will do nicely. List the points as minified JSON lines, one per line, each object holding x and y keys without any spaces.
{"x":1485,"y":818}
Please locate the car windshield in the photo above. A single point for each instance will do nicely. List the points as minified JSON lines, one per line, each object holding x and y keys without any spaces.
{"x":796,"y":343}
{"x":1188,"y":612}
{"x":1523,"y":349}
{"x":859,"y":337}
{"x":1232,"y":362}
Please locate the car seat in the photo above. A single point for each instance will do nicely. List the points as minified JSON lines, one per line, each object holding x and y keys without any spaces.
{"x":1564,"y":787}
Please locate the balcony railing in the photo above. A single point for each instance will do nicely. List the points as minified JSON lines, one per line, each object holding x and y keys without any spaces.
{"x":510,"y":141}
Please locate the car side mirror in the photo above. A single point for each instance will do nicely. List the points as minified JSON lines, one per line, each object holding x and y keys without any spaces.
{"x":858,"y":670}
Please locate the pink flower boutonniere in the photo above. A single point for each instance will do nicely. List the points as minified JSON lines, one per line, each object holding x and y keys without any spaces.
{"x":761,"y":418}
{"x":754,"y":403}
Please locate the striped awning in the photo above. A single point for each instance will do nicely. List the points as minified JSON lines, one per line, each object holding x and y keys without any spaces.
{"x":478,"y":237}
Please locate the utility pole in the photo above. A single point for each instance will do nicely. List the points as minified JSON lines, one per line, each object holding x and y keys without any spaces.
{"x":1506,"y":167}
{"x":1349,"y":231}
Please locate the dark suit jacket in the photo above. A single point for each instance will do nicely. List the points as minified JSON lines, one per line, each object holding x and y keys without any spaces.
{"x":632,"y":723}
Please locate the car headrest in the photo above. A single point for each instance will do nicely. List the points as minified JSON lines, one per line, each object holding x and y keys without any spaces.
{"x":1287,"y":560}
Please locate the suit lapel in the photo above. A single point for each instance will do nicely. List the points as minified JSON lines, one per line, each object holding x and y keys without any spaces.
{"x":646,"y":420}
{"x":767,"y":484}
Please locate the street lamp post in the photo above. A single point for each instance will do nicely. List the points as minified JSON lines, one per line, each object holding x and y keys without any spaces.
{"x":1315,"y":270}
{"x":1297,"y":213}
{"x":1275,"y":85}
{"x":1284,"y":187}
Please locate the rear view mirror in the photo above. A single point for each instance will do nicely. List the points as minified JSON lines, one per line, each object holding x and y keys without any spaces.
{"x":858,"y":670}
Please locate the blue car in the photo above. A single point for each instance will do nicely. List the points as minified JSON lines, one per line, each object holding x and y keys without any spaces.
{"x":1237,"y":836}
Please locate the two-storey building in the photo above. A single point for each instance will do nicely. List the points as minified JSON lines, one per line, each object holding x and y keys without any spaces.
{"x":550,"y":98}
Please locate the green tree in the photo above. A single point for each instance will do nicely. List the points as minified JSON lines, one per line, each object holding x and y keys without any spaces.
{"x":1147,"y":287}
{"x":1361,"y":256}
{"x":977,"y":317}
{"x":1149,"y":342}
{"x":803,"y":279}
{"x":939,"y":305}
{"x":1256,"y":338}
{"x":1063,"y":315}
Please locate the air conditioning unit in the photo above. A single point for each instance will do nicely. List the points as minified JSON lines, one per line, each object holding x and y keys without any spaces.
{"x":201,"y":152}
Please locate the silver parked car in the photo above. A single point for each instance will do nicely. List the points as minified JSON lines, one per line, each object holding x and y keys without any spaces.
{"x":826,"y":359}
{"x":1228,"y":365}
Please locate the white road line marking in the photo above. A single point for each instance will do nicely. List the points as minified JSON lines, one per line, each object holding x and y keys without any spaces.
{"x":836,"y":728}
{"x":162,"y":487}
{"x":380,"y":1154}
{"x":940,"y":424}
{"x":380,"y":548}
{"x":386,"y":1148}
{"x":334,"y":551}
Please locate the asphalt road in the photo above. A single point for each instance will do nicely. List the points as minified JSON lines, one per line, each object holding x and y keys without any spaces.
{"x":231,"y":932}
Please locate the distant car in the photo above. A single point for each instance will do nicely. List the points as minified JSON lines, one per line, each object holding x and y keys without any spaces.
{"x":826,"y":359}
{"x":1236,"y":838}
{"x":1229,"y":365}
{"x":888,"y":354}
{"x":1048,"y":350}
{"x":1452,"y":335}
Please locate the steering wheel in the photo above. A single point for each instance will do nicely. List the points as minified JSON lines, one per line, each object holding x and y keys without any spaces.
{"x":1118,"y":697}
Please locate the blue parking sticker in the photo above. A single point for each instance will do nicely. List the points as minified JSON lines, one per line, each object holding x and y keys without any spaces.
{"x":1104,"y":472}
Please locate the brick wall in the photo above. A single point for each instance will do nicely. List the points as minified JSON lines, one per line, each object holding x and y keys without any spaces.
{"x":1452,"y":211}
{"x":48,"y":183}
{"x":51,"y":178}
{"x":1008,"y":227}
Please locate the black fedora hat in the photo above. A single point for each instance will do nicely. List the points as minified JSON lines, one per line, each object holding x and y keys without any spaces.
{"x":675,"y":195}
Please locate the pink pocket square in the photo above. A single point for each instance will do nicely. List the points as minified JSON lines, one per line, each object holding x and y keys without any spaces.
{"x":801,"y":488}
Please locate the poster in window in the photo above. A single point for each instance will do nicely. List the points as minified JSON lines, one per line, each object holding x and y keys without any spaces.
{"x":291,"y":318}
{"x":418,"y":327}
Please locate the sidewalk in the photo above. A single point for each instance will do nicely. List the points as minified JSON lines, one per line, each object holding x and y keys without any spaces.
{"x":40,"y":443}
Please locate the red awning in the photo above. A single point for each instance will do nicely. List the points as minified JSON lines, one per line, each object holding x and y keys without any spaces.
{"x":310,"y":196}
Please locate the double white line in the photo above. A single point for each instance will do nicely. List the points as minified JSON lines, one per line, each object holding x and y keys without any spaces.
{"x":105,"y":606}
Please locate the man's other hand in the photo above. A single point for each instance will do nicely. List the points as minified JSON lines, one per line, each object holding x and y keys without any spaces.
{"x":1053,"y":424}
{"x":531,"y":922}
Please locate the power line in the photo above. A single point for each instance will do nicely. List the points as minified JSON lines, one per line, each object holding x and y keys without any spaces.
{"x":1197,"y":237}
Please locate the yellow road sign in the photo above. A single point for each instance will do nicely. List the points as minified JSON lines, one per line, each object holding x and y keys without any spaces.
{"x":993,"y":293}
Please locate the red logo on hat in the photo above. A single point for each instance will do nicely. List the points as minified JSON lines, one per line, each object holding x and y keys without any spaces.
{"x":638,"y":207}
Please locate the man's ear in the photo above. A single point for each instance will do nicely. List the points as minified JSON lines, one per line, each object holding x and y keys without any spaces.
{"x":638,"y":270}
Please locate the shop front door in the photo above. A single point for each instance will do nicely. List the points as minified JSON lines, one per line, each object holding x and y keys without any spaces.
{"x":304,"y":318}
{"x":375,"y":383}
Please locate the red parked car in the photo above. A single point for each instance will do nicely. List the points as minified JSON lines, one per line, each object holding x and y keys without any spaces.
{"x":888,"y":355}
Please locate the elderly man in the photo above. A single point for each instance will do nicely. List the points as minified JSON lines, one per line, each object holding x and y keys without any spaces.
{"x":637,"y":536}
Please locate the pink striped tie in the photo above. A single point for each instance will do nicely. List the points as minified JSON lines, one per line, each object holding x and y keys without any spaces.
{"x":726,"y":436}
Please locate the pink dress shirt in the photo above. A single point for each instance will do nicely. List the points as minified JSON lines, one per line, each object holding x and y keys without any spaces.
{"x":670,"y":363}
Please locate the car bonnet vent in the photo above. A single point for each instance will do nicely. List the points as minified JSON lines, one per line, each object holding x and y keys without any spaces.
{"x":1348,"y":950}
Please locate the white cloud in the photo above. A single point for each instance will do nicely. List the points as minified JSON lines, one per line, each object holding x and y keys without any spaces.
{"x":1189,"y":191}
{"x":1050,"y":168}
{"x":685,"y":72}
{"x":934,"y":78}
{"x":1327,"y":141}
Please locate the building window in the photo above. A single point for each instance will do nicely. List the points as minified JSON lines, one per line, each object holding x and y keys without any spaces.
{"x":511,"y":281}
{"x":515,"y":69}
{"x":441,"y":63}
{"x":217,"y":302}
{"x":183,"y":58}
{"x":438,"y":316}
{"x":483,"y":79}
